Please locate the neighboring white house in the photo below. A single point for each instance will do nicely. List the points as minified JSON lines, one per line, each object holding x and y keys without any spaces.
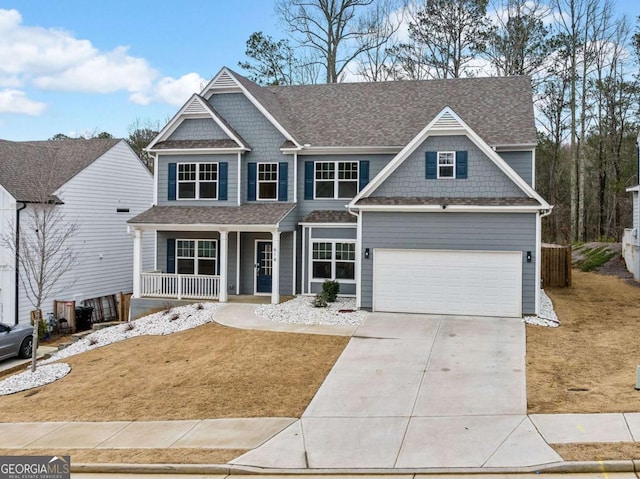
{"x":100,"y":184}
{"x":631,"y":237}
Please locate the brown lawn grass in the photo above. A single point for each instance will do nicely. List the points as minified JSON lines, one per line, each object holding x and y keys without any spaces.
{"x":134,"y":456}
{"x":208,"y":372}
{"x":600,"y":451}
{"x":595,"y":348}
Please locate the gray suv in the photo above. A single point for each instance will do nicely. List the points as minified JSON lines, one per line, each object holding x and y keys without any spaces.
{"x":16,"y":341}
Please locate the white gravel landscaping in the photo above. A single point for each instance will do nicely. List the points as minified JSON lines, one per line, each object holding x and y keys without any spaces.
{"x":547,"y":316}
{"x":177,"y":319}
{"x":299,"y":310}
{"x":28,"y":380}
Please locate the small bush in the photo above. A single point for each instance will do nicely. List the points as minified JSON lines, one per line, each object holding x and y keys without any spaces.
{"x":174,"y":316}
{"x":129,"y":326}
{"x":330,"y":290}
{"x":200,"y":306}
{"x":93,"y":341}
{"x":320,"y":301}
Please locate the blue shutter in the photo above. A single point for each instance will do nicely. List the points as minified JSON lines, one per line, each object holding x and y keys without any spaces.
{"x":308,"y":180}
{"x":283,"y":172}
{"x":223,"y":169}
{"x":431,"y":165}
{"x":171,"y":255}
{"x":171,"y":193}
{"x":251,"y":178}
{"x":363,"y":178}
{"x":461,"y":164}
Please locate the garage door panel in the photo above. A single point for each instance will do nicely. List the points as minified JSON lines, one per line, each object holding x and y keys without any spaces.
{"x":485,"y":283}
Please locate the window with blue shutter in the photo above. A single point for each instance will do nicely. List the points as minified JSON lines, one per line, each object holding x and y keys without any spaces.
{"x":223,"y":172}
{"x":171,"y":192}
{"x":283,"y":169}
{"x":431,"y":165}
{"x":308,"y":180}
{"x":171,"y":255}
{"x":363,"y":175}
{"x":251,"y":181}
{"x":461,"y":165}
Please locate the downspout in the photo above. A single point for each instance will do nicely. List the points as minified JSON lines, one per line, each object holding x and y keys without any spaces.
{"x":17,"y":265}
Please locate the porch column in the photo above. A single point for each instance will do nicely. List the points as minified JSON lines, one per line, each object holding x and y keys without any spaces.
{"x":275,"y":278}
{"x":224,"y":253}
{"x":137,"y":262}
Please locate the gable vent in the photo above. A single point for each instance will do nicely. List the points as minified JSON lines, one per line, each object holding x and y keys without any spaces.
{"x":224,"y":81}
{"x":447,"y":122}
{"x":195,"y":107}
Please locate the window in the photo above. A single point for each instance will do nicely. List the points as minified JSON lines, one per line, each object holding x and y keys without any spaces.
{"x":336,"y":179}
{"x":267,"y":181}
{"x":196,"y":256}
{"x":333,"y":260}
{"x":446,"y":164}
{"x":197,"y":181}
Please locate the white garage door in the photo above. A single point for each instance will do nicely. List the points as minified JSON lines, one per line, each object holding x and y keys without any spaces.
{"x":475,"y":283}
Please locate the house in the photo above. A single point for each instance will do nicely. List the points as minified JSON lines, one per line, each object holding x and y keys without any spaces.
{"x":631,"y":236}
{"x":416,"y":196}
{"x":96,"y":184}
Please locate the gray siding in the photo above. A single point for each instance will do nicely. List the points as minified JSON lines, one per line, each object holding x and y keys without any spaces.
{"x":263,"y":138}
{"x":330,"y":234}
{"x":451,"y":231}
{"x":286,"y":263}
{"x":376,"y":163}
{"x":521,"y":162}
{"x":484,"y":178}
{"x":198,"y":129}
{"x":232,"y":179}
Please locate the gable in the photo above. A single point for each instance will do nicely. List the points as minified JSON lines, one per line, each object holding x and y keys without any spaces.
{"x":198,"y":129}
{"x":484,"y":179}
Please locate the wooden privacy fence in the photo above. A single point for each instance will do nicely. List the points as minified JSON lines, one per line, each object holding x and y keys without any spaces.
{"x":556,"y":265}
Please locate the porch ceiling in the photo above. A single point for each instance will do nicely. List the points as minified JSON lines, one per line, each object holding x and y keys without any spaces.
{"x":246,"y":217}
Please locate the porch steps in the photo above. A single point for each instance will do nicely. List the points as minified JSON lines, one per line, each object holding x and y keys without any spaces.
{"x":78,"y":336}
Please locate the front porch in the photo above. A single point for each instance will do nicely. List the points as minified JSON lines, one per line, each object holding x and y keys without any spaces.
{"x":249,"y":250}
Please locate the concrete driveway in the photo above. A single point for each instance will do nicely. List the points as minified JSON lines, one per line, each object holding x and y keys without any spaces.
{"x":416,"y":391}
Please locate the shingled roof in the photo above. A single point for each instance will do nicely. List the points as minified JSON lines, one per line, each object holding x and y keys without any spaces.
{"x":31,"y":169}
{"x":391,"y":113}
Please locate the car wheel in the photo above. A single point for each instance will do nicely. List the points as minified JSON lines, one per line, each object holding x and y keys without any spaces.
{"x":26,"y":348}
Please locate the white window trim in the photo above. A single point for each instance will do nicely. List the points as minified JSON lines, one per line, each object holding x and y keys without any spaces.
{"x":336,"y":181}
{"x":332,"y":260}
{"x":453,"y":177}
{"x":269,"y":181}
{"x":197,"y":180}
{"x":195,"y":257}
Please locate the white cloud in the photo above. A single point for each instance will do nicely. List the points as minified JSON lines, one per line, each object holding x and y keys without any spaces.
{"x":16,"y":101}
{"x":53,"y":59}
{"x":177,"y":91}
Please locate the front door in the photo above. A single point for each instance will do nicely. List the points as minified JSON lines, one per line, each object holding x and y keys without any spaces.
{"x":264,"y":266}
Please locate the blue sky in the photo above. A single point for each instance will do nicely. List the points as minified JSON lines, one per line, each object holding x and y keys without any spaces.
{"x":75,"y":66}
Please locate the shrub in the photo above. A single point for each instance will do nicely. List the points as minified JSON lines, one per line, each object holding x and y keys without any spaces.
{"x":129,"y":326}
{"x":320,"y":301}
{"x":330,"y":290}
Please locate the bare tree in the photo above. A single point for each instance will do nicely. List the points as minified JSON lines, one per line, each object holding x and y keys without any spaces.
{"x":377,"y":61}
{"x":141,"y":133}
{"x":519,"y":42}
{"x":42,"y":245}
{"x":333,"y":29}
{"x":451,"y":34}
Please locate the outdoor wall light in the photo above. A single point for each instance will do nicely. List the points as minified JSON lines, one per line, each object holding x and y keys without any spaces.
{"x":366,"y":253}
{"x":528,"y":256}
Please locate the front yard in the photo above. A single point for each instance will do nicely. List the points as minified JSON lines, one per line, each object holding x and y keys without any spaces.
{"x":208,"y":372}
{"x":588,"y":364}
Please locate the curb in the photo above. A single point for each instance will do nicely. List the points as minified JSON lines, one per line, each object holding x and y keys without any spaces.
{"x":573,"y":467}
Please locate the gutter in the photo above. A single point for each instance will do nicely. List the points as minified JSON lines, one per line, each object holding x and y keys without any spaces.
{"x":17,"y":265}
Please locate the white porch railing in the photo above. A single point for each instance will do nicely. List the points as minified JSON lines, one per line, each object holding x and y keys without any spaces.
{"x":179,"y":286}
